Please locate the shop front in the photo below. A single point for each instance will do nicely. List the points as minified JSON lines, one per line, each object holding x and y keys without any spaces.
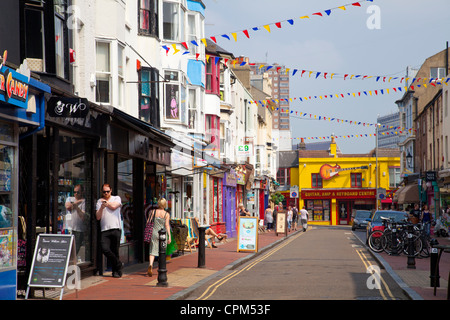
{"x":229,"y":202}
{"x":22,"y":107}
{"x":336,"y":206}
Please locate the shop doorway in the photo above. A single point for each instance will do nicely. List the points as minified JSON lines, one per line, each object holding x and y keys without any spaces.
{"x":345,"y":211}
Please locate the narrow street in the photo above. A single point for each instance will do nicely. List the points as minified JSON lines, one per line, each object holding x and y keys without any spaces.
{"x":321,"y":264}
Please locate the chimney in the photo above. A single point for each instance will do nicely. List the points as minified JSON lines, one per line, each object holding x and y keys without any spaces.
{"x":333,"y":147}
{"x":302,"y":144}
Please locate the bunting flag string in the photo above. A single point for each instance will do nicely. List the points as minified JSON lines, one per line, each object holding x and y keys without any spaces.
{"x":375,"y":92}
{"x":268,"y":26}
{"x":346,"y":136}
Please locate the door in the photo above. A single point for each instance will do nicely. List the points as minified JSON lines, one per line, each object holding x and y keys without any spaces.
{"x":345,"y":211}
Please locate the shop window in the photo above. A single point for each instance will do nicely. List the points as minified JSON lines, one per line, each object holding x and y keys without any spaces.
{"x":125,"y":192}
{"x":356,"y":180}
{"x":74,"y":193}
{"x":148,"y":17}
{"x":319,"y":210}
{"x":7,"y":233}
{"x":188,"y":199}
{"x":316,"y":180}
{"x":213,"y":76}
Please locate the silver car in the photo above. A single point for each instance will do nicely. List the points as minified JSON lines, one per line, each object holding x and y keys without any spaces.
{"x":360,"y":219}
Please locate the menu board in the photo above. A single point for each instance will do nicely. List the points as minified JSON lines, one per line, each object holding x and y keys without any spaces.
{"x":281,"y":226}
{"x":50,"y":260}
{"x":247,"y":234}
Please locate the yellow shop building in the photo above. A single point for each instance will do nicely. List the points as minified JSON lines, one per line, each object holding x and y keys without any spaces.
{"x":332,"y":185}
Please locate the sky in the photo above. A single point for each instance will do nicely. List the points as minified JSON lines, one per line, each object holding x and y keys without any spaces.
{"x":406,"y":33}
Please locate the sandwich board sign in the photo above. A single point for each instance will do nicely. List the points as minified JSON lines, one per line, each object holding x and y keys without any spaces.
{"x":51,"y":260}
{"x":247,"y":234}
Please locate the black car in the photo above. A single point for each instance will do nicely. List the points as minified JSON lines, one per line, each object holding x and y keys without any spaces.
{"x":360,"y":219}
{"x":376,"y":222}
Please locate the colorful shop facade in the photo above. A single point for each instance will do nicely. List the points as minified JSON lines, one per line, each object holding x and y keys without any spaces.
{"x":332,"y":185}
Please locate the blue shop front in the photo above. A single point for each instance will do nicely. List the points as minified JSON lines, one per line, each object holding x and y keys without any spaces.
{"x":22,"y":113}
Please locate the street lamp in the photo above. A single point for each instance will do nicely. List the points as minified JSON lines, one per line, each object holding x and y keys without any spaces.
{"x":409,"y":160}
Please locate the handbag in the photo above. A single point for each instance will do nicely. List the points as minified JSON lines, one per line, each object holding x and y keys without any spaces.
{"x":148,"y":231}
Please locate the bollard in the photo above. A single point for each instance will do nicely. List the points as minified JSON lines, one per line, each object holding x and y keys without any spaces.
{"x":434,"y":268}
{"x":201,"y":247}
{"x":162,"y":271}
{"x":394,"y":242}
{"x":411,"y":258}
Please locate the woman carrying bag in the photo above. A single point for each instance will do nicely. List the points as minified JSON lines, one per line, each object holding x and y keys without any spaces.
{"x":160,"y":219}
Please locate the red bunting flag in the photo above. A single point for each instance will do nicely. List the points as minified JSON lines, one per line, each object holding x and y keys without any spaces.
{"x":278,"y":24}
{"x":246,"y":33}
{"x":184,"y":44}
{"x":214,"y":39}
{"x":318,"y":14}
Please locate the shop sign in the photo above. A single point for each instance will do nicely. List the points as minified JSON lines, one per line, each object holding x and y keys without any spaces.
{"x":61,"y":107}
{"x":244,"y":150}
{"x":430,"y":176}
{"x":13,"y":87}
{"x":230,"y":178}
{"x":247,"y":234}
{"x":339,"y":194}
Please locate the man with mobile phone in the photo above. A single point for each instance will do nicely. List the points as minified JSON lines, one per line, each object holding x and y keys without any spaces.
{"x":108,"y":213}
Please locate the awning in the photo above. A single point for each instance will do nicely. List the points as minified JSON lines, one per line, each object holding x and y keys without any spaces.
{"x":408,"y":194}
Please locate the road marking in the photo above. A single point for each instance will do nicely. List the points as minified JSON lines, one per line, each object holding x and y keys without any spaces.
{"x":217,"y":284}
{"x":364,"y":259}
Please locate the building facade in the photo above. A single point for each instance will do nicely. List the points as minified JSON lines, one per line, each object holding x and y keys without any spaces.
{"x":333,"y":186}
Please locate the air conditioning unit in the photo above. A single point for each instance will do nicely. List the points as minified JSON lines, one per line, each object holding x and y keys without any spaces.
{"x":35,"y":64}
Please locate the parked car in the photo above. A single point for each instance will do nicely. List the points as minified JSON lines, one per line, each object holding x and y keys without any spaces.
{"x":376,"y":223}
{"x":359,"y":221}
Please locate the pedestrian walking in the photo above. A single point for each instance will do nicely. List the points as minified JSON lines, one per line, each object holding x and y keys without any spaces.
{"x":289,"y":218}
{"x":108,"y":213}
{"x":427,"y":219}
{"x":304,"y":218}
{"x":162,"y":221}
{"x":268,"y":217}
{"x":294,"y":218}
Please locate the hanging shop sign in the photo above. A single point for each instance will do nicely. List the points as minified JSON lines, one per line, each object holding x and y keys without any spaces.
{"x":61,"y":107}
{"x":13,"y":87}
{"x":327,"y":171}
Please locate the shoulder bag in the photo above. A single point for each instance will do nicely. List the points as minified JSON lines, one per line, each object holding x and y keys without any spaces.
{"x":148,"y":231}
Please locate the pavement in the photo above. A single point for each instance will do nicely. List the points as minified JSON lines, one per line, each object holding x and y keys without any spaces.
{"x":183,"y":274}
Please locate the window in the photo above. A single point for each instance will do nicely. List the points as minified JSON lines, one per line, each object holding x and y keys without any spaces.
{"x":192,"y":34}
{"x":356,"y":180}
{"x":394,"y":177}
{"x":125,"y":192}
{"x":148,"y":17}
{"x":192,"y":109}
{"x":34,"y":35}
{"x":103,"y":73}
{"x":60,"y":55}
{"x":213,"y":76}
{"x":173,"y":21}
{"x":212,"y":130}
{"x":121,"y":73}
{"x":175,"y":96}
{"x":437,"y":73}
{"x":316,"y":180}
{"x":149,"y":96}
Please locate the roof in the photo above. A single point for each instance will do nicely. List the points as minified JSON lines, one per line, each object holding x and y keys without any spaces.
{"x":213,"y":48}
{"x":288,"y":159}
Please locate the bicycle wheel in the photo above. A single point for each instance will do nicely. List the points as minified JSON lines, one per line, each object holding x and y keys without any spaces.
{"x":425,"y":252}
{"x":417,"y":247}
{"x":375,"y":241}
{"x":388,"y":246}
